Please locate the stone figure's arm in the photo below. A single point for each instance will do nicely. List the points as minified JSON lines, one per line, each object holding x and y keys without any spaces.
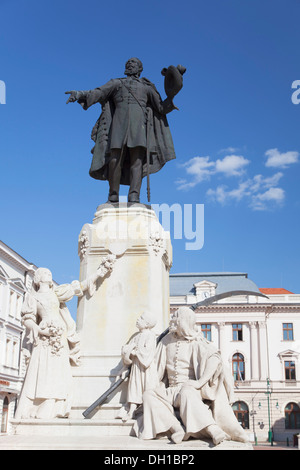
{"x":105,"y":267}
{"x":89,"y":97}
{"x":212,"y":366}
{"x":126,"y":352}
{"x":146,"y":354}
{"x":29,"y":318}
{"x":66,"y":292}
{"x":162,"y":107}
{"x":160,"y":358}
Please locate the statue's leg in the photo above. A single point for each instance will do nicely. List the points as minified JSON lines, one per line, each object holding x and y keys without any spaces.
{"x":159,"y":416}
{"x":46,"y":409}
{"x":188,"y":401}
{"x":114,"y":175}
{"x":197,"y":416}
{"x":137,"y":156}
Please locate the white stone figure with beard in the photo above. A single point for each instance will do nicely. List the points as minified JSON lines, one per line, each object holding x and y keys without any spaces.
{"x":194,"y":393}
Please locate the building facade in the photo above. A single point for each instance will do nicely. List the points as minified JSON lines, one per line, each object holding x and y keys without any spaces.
{"x":258,"y":336}
{"x":16,"y":275}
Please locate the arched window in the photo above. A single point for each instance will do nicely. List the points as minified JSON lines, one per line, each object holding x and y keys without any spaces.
{"x":4,"y":415}
{"x":238,"y":367}
{"x":292,"y":416}
{"x":241,"y":411}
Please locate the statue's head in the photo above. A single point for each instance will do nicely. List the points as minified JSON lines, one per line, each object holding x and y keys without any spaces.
{"x":133,"y":66}
{"x":42,"y":275}
{"x":183,"y":323}
{"x":146,"y":320}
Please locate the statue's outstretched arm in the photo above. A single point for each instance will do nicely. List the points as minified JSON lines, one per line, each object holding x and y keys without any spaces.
{"x":65,"y":292}
{"x":88,"y":98}
{"x":79,"y":96}
{"x":105,"y":267}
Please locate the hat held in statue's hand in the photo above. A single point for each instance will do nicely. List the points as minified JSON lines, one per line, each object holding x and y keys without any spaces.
{"x":173,"y":79}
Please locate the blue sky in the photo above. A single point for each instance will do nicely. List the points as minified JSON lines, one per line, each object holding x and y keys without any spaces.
{"x":236,"y":133}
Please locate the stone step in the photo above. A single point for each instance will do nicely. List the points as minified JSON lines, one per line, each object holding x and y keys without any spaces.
{"x":72,"y":427}
{"x":106,"y":411}
{"x":96,"y":434}
{"x":119,"y":443}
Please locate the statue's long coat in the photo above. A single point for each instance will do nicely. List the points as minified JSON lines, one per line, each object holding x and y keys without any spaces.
{"x":218,"y":392}
{"x":133,"y":114}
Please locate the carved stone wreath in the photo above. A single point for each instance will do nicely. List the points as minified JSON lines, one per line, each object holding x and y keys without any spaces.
{"x":156,"y":241}
{"x":83,"y":244}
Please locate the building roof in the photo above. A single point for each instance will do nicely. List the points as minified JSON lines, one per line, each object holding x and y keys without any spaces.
{"x":15,"y":257}
{"x":274,"y":290}
{"x":183,"y":283}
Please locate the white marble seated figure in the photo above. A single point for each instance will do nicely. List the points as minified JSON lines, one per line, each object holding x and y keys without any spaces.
{"x":194,"y":392}
{"x":52,"y":344}
{"x":139,"y":355}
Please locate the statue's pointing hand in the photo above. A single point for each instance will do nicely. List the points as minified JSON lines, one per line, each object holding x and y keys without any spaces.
{"x":72,"y":97}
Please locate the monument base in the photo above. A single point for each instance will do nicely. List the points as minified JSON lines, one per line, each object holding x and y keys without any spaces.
{"x":98,"y":434}
{"x":138,"y":283}
{"x":72,"y":427}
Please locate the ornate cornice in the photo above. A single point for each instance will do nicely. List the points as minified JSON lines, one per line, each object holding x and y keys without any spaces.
{"x":15,"y":259}
{"x":262,"y":308}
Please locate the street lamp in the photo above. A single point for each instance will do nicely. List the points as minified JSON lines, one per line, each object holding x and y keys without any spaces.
{"x":268,"y":393}
{"x":253,"y":413}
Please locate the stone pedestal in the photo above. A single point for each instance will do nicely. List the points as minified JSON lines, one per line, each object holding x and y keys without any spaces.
{"x":138,"y":282}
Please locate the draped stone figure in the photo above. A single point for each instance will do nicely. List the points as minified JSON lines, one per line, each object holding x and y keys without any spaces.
{"x":138,"y":354}
{"x":52,"y":344}
{"x":194,"y":394}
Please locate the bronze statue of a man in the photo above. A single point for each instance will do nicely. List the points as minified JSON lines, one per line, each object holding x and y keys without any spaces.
{"x":132,"y":136}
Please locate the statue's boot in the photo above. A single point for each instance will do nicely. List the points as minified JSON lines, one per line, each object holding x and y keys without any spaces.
{"x":217,"y":434}
{"x":178,"y":434}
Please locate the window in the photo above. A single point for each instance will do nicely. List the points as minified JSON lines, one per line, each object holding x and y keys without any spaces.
{"x":19,"y":306}
{"x":289,"y":370}
{"x":287,"y":329}
{"x":12,"y":303}
{"x":8,"y":352}
{"x":15,"y":359}
{"x":237,"y":332}
{"x":238,"y":367}
{"x":241,"y":412}
{"x":206,"y":330}
{"x":292,"y":416}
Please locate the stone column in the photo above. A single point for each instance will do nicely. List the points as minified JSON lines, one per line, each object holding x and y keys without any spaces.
{"x":263,"y":350}
{"x":254,"y":351}
{"x":222,"y":342}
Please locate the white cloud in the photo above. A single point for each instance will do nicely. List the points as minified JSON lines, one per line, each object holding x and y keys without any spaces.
{"x":219,"y":194}
{"x":184,"y":185}
{"x":222,"y":195}
{"x":260,"y":182}
{"x":199,"y":168}
{"x":202,"y":168}
{"x":240,"y":192}
{"x":275,"y":159}
{"x":232,"y":165}
{"x":229,"y":150}
{"x":272,"y":195}
{"x":259,"y":192}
